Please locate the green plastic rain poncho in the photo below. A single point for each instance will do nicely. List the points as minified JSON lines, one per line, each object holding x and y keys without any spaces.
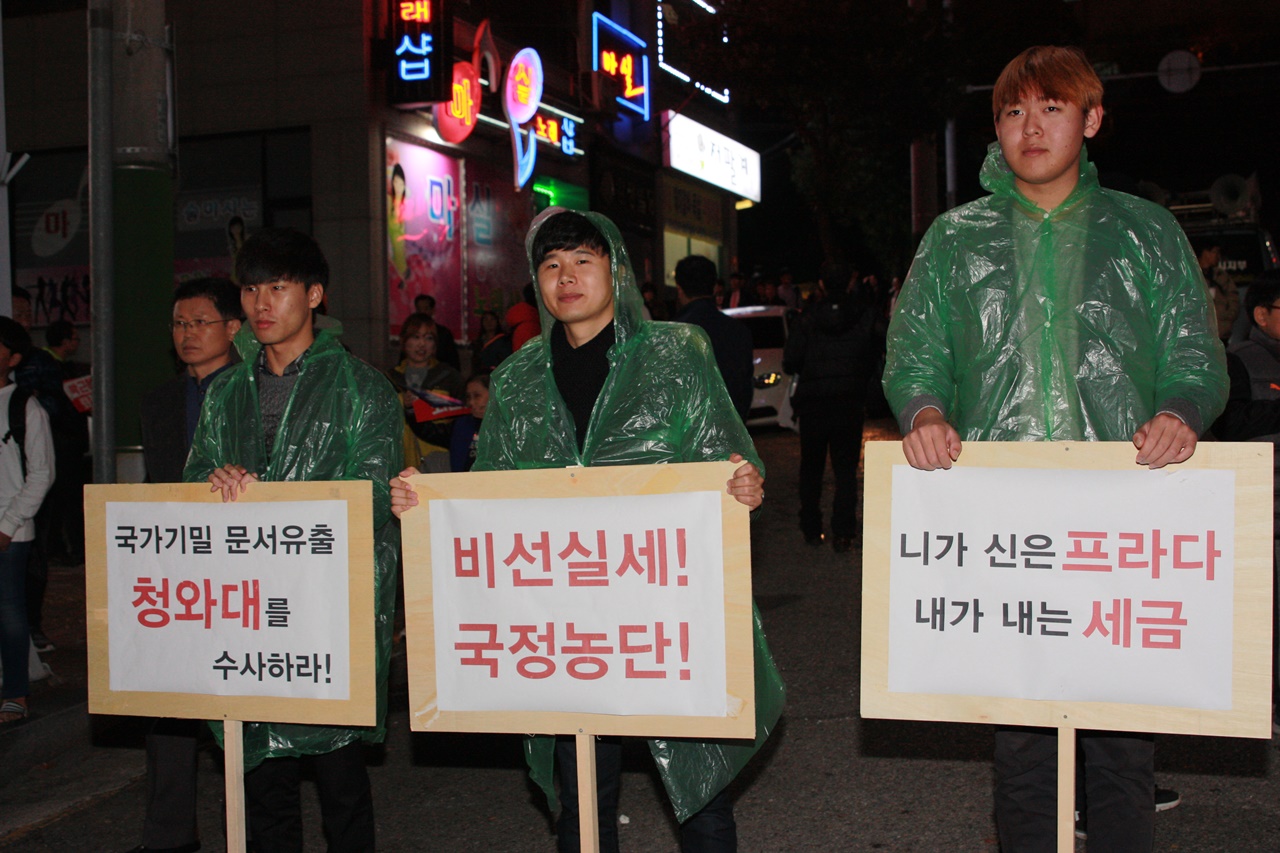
{"x":1078,"y":324}
{"x":663,"y":401}
{"x":342,"y":422}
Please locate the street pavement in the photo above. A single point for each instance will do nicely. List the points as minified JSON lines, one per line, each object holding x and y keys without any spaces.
{"x":827,"y":780}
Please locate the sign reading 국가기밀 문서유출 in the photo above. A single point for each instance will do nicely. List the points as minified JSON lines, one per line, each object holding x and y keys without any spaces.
{"x":1043,"y":583}
{"x":258,"y":609}
{"x":609,"y":600}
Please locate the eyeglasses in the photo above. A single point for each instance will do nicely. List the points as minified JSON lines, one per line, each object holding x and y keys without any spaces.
{"x":196,"y":325}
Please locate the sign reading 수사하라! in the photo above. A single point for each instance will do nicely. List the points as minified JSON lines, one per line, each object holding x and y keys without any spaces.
{"x":261,"y":607}
{"x":612,"y":600}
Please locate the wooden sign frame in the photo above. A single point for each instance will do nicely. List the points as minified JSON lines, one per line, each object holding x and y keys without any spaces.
{"x":1250,"y":712}
{"x":424,"y":713}
{"x":359,"y":709}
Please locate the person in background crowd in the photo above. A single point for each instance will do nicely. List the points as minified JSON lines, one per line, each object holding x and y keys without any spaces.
{"x":61,"y":519}
{"x":832,"y":351}
{"x":523,"y":319}
{"x":654,"y":305}
{"x":491,"y":344}
{"x":26,"y":472}
{"x":1222,"y":287}
{"x":42,"y":374}
{"x":718,"y":294}
{"x":1049,"y":250}
{"x":1253,"y":406}
{"x":611,"y":370}
{"x":426,"y":439}
{"x":206,"y":319}
{"x":466,"y":429}
{"x":738,"y":296}
{"x":446,"y":346}
{"x":788,"y":293}
{"x":730,"y":338}
{"x":299,"y":407}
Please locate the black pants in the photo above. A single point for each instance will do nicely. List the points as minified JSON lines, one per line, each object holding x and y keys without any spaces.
{"x":1119,"y":778}
{"x":838,"y":431}
{"x":346,"y":802}
{"x":712,"y":830}
{"x":171,"y":783}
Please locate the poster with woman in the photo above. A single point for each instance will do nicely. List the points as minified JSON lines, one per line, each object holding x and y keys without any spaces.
{"x":424,"y":233}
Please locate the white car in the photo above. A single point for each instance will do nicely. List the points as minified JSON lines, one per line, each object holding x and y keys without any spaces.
{"x":771,"y":402}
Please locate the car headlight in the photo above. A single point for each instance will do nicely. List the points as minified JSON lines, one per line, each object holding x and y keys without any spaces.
{"x":767,"y":380}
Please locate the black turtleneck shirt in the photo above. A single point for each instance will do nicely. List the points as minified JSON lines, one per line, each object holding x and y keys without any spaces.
{"x":580,"y":373}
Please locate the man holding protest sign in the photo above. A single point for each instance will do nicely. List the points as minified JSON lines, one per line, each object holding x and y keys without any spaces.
{"x":604,"y":387}
{"x":1056,"y":310}
{"x":299,"y":407}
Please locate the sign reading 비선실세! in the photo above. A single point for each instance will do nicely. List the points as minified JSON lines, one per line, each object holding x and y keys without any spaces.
{"x":257,"y":609}
{"x":609,"y":600}
{"x":1036,"y":583}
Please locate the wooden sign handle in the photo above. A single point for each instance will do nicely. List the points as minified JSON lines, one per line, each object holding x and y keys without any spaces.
{"x":233,"y":762}
{"x":588,"y":819}
{"x":1066,"y":789}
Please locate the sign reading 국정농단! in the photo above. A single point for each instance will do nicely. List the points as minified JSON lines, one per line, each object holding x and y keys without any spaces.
{"x":1060,"y":583}
{"x":252,"y":602}
{"x":616,"y":594}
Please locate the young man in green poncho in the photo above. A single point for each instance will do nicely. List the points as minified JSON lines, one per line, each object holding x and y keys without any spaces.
{"x":603,"y":386}
{"x":299,"y":407}
{"x":1055,"y":310}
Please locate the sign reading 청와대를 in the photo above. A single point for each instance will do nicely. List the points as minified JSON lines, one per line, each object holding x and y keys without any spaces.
{"x":257,"y":607}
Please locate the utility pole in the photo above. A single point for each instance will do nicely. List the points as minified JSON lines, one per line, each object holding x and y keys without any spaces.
{"x":131,"y":156}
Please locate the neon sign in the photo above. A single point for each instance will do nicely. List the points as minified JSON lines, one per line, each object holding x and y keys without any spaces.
{"x":418,"y":52}
{"x":456,"y":117}
{"x":664,"y":59}
{"x":558,"y":131}
{"x":619,"y":53}
{"x":520,"y":100}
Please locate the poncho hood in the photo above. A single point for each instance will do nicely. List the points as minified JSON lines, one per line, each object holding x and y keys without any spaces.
{"x":997,"y":178}
{"x":628,"y":304}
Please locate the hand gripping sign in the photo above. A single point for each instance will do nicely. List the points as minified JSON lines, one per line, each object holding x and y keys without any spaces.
{"x":1058,"y":584}
{"x":260,"y":609}
{"x":581,"y":601}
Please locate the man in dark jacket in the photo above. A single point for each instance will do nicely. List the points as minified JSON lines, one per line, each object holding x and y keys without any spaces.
{"x":206,"y":317}
{"x":832,"y":352}
{"x":730,"y":339}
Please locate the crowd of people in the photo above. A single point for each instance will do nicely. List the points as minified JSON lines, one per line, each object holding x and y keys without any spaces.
{"x":267,"y":394}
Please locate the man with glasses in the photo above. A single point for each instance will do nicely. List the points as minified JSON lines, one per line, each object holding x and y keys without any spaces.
{"x":206,"y":317}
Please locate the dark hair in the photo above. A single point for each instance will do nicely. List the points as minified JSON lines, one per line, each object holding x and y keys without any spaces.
{"x":1264,"y":290}
{"x":21,"y":293}
{"x":59,"y":332}
{"x":281,"y":254}
{"x":836,"y":276}
{"x":1205,"y":242}
{"x":696,"y":276}
{"x":414,"y":322}
{"x":566,"y":231}
{"x":431,"y":300}
{"x":223,"y":293}
{"x":13,"y":336}
{"x":482,"y":378}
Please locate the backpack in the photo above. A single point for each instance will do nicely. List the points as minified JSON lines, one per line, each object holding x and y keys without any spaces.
{"x":18,"y":424}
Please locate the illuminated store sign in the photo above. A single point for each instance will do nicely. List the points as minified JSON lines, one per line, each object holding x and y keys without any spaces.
{"x":669,"y":64}
{"x":620,"y":53}
{"x":558,"y":131}
{"x":520,"y":100}
{"x":697,"y":150}
{"x":419,"y":53}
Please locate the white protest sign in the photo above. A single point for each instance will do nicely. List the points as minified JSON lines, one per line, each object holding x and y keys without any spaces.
{"x":252,"y":605}
{"x":257,"y":609}
{"x":1060,"y":584}
{"x":606,"y":605}
{"x":611,"y":600}
{"x":1123,"y":578}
